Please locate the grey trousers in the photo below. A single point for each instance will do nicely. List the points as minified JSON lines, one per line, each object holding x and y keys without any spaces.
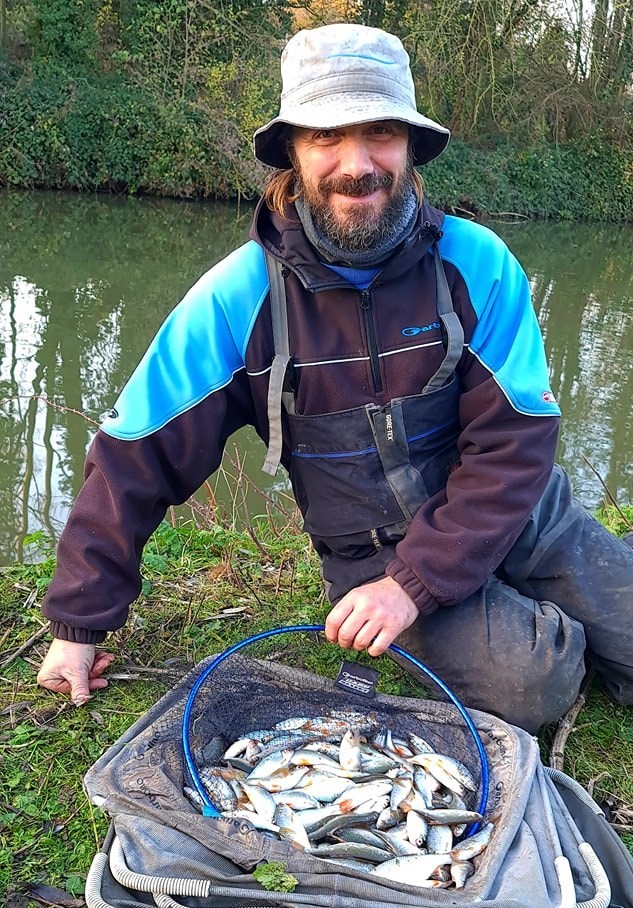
{"x":563,"y":597}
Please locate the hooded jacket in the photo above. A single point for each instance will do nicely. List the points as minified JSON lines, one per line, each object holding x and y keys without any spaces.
{"x":206,"y":374}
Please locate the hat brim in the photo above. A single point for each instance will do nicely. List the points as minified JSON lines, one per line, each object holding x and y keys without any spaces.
{"x":429,"y":138}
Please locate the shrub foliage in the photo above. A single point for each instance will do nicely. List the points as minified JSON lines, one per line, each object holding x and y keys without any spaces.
{"x":136,"y":96}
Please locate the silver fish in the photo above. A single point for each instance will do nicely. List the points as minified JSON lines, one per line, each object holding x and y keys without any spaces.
{"x":375,"y":763}
{"x":238,"y":748}
{"x":460,"y":871}
{"x":420,"y":745}
{"x":362,"y":793}
{"x":426,"y":784}
{"x":295,"y":798}
{"x":261,"y":800}
{"x":352,"y":863}
{"x":290,"y":826}
{"x":306,"y":756}
{"x":447,"y":766}
{"x":417,"y":829}
{"x":325,"y":747}
{"x":446,"y":816}
{"x":349,"y":754}
{"x":400,"y":790}
{"x":395,"y":844}
{"x":314,"y":819}
{"x":388,"y":818}
{"x":352,"y":792}
{"x":474,"y":845}
{"x":414,"y":801}
{"x":439,"y":839}
{"x":350,"y":850}
{"x":271,"y":762}
{"x":359,"y":835}
{"x":374,"y":804}
{"x":401,"y":748}
{"x":332,"y":825}
{"x":254,"y":818}
{"x":283,"y":779}
{"x":411,"y":869}
{"x":325,"y":787}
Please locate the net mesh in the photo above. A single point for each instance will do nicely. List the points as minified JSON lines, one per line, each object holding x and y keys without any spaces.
{"x":259,"y":686}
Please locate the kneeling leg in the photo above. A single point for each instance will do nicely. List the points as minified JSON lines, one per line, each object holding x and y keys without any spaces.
{"x":504,"y":653}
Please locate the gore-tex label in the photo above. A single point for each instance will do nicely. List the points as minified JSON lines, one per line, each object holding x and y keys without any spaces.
{"x":357,"y":678}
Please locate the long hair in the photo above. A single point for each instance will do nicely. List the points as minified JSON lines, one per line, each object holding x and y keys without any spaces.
{"x":279,"y":189}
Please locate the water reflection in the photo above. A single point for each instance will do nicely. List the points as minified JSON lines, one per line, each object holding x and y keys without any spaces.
{"x":582,"y":284}
{"x":84,"y":283}
{"x":86,"y":280}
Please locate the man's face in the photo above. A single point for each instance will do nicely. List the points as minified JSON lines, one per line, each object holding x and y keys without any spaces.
{"x":355,"y":179}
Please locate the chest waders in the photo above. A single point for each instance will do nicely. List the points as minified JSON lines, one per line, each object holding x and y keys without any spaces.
{"x":360,"y":475}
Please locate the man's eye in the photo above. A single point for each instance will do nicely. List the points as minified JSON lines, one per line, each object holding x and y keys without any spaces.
{"x":325,"y":134}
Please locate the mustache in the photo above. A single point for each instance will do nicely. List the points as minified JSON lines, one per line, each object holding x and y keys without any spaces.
{"x":360,"y":186}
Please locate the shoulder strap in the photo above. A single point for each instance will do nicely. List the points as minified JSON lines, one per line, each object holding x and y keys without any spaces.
{"x":454,"y":331}
{"x":276,"y":393}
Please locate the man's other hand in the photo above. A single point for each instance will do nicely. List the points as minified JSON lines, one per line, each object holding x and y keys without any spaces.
{"x":74,"y":668}
{"x":371,"y":616}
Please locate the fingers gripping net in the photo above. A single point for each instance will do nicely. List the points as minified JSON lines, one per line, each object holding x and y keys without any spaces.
{"x":290,"y":673}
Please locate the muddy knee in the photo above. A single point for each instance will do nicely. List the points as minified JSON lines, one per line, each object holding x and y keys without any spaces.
{"x":516,"y":658}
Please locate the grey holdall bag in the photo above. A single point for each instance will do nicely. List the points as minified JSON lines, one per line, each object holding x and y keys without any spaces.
{"x":551,"y":846}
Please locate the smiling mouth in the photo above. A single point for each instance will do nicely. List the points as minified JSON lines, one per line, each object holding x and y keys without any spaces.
{"x":363,"y":187}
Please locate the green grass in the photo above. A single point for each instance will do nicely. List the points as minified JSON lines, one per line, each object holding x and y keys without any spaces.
{"x":204,"y":590}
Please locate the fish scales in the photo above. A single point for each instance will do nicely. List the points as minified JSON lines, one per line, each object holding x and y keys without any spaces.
{"x":351,"y":850}
{"x":322,"y":782}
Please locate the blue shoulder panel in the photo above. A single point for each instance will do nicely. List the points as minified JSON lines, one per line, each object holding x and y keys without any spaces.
{"x":507,"y":338}
{"x":199,"y":348}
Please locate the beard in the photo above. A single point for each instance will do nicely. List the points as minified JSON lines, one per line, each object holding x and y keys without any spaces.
{"x":358,"y":227}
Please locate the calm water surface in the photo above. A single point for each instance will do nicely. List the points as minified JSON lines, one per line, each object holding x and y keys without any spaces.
{"x":85,"y":281}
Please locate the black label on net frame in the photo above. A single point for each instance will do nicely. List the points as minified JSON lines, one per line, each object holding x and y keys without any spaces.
{"x":358,"y":679}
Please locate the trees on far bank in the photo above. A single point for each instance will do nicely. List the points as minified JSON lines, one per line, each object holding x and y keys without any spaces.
{"x":202,"y":74}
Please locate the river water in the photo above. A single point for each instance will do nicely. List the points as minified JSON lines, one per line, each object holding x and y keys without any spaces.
{"x":85,"y":281}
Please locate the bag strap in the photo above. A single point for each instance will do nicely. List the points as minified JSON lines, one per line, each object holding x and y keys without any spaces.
{"x":278,"y":395}
{"x":453,"y":331}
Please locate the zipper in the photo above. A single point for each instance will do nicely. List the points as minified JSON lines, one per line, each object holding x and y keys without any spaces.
{"x":370,"y":332}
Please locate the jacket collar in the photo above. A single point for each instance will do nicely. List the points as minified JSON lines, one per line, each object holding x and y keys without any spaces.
{"x":284,"y":239}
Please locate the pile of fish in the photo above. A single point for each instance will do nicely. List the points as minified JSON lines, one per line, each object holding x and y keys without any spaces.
{"x":347,"y":790}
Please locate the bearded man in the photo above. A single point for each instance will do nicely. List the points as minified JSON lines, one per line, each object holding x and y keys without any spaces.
{"x":390,"y":358}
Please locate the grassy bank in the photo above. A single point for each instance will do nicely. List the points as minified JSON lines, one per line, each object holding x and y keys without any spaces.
{"x":204,"y":589}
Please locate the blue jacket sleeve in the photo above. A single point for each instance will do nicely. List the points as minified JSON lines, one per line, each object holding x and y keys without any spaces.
{"x":163,"y":439}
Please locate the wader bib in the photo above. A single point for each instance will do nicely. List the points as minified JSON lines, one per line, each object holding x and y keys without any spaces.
{"x":515,"y":647}
{"x":360,"y":475}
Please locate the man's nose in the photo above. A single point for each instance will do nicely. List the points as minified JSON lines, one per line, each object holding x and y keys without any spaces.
{"x":355,"y":160}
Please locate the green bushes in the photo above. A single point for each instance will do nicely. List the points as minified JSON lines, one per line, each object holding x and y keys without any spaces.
{"x":112,"y":133}
{"x":59,"y":132}
{"x":588,"y":181}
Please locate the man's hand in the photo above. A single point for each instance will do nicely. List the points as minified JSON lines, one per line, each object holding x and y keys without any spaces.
{"x":74,"y":668}
{"x":371,"y":616}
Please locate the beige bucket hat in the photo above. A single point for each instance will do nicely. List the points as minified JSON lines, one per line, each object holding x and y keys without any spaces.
{"x":340,"y":75}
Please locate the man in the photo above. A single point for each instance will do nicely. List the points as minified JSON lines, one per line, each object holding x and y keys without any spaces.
{"x":390,"y":358}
